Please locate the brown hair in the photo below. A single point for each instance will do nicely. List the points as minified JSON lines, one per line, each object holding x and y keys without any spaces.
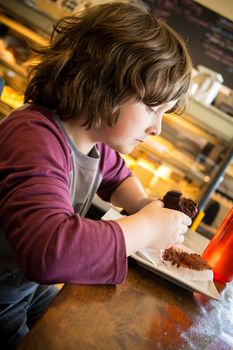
{"x":105,"y":56}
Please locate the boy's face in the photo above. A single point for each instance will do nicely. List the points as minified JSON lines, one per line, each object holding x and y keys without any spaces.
{"x":136,"y":122}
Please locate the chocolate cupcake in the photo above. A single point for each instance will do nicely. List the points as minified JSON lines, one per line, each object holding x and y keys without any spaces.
{"x":175,"y":200}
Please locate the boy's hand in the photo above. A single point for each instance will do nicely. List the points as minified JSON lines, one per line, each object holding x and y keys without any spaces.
{"x":165,"y":227}
{"x":154,"y":226}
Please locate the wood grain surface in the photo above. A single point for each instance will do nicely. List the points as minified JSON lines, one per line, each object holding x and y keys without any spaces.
{"x":145,"y":312}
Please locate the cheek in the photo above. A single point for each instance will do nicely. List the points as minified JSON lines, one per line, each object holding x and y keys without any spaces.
{"x":114,"y":135}
{"x":127,"y":128}
{"x":133,"y":126}
{"x":121,"y":130}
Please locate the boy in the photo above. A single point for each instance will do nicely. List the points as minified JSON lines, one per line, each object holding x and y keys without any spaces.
{"x":101,"y":87}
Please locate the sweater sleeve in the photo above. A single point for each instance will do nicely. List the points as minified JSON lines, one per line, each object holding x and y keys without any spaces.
{"x":51,"y":243}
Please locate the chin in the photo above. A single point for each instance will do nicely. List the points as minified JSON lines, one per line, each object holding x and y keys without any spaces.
{"x":124,"y":149}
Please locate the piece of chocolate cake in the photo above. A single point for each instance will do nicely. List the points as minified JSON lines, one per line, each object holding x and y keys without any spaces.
{"x":185,"y":264}
{"x":181,"y":258}
{"x":175,"y":200}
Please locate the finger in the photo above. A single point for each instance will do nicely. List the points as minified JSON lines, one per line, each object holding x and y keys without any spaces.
{"x":183,"y":229}
{"x":159,"y":203}
{"x":179,"y":239}
{"x":186,"y":220}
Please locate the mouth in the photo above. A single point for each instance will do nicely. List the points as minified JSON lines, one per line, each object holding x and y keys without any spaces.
{"x":139,"y":140}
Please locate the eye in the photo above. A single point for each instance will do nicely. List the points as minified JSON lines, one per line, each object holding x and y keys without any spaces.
{"x":171,"y":110}
{"x":151,"y":110}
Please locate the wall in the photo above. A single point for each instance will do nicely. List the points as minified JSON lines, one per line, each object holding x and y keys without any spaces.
{"x":207,"y":32}
{"x":223,"y":7}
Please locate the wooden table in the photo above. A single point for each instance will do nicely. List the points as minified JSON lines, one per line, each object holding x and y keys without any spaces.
{"x":146,"y":312}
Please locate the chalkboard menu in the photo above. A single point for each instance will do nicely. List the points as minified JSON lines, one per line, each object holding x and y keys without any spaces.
{"x":209,"y":35}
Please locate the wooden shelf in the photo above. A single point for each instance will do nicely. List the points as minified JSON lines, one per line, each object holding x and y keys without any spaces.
{"x":14,"y":67}
{"x":22,"y":31}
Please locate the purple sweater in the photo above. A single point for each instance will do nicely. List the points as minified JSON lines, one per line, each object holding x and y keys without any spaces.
{"x":52,"y":243}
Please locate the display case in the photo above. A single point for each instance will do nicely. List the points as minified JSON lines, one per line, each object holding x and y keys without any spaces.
{"x":16,"y":43}
{"x":193,"y":154}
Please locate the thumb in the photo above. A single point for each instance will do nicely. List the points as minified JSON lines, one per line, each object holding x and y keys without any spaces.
{"x":159,"y":203}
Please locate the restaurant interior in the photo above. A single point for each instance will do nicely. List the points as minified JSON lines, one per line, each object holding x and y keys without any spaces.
{"x":193,"y":155}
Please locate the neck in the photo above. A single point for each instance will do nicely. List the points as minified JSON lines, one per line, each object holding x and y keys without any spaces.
{"x":83,"y":139}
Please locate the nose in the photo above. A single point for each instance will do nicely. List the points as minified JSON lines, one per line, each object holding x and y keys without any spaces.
{"x":156,"y":128}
